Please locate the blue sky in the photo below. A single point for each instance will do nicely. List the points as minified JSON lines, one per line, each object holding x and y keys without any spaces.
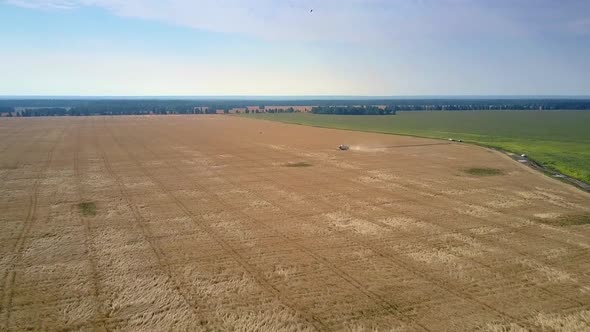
{"x":265,"y":47}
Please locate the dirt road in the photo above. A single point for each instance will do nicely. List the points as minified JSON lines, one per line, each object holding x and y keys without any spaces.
{"x":223,"y":223}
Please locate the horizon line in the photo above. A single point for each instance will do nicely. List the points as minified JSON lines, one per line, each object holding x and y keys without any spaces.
{"x":289,"y":97}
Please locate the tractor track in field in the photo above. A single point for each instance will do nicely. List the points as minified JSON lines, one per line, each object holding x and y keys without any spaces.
{"x":251,"y":270}
{"x":409,"y":266}
{"x":421,"y":274}
{"x":101,"y":316}
{"x":445,"y":202}
{"x":524,"y":255}
{"x":519,"y":230}
{"x":375,"y":297}
{"x":139,"y":222}
{"x":10,"y":279}
{"x":424,"y":274}
{"x":201,"y":222}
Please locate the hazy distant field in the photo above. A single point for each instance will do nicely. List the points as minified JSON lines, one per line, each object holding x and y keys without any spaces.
{"x":557,"y":139}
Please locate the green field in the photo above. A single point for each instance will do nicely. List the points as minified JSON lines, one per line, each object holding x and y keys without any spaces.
{"x":559,"y":140}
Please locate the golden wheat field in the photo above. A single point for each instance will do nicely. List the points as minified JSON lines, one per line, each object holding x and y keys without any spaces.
{"x":220,"y":223}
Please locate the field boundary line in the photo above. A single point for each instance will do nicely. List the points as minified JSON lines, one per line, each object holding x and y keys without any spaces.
{"x":533,"y":164}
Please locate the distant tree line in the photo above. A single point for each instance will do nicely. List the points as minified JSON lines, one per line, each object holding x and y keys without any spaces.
{"x":81,"y":107}
{"x":101,"y":110}
{"x":354,"y":110}
{"x":44,"y":111}
{"x":7,"y":110}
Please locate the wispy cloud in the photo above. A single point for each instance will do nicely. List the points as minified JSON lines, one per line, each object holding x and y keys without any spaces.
{"x":48,"y":4}
{"x":350,"y":20}
{"x":378,"y":47}
{"x":580,"y":26}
